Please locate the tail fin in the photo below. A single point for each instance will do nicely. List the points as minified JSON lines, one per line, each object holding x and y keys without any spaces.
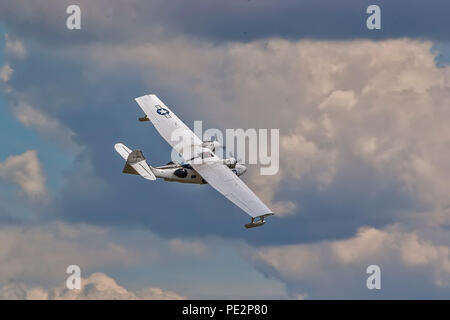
{"x":135,"y":162}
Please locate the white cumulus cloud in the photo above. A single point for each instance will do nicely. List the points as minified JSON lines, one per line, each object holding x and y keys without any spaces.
{"x":26,"y":171}
{"x":98,"y":286}
{"x":336,"y":103}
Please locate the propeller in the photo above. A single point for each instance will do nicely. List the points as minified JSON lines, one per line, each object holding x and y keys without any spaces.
{"x":232,"y":161}
{"x":238,"y":160}
{"x":237,"y":166}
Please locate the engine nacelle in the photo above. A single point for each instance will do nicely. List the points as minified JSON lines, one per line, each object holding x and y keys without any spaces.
{"x":211,"y":145}
{"x":239,"y":169}
{"x":230,"y":162}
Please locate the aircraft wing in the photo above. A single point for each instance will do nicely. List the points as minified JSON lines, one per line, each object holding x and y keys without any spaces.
{"x":169,"y":126}
{"x":221,"y":178}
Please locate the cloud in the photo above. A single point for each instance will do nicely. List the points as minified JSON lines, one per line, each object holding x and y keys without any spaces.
{"x":187,"y":247}
{"x":14,"y":47}
{"x":363,"y":143}
{"x":34,"y":259}
{"x":5,"y":72}
{"x":340,"y":109}
{"x":97,"y":286}
{"x":26,"y":171}
{"x":339,"y":99}
{"x":267,"y":192}
{"x":349,"y":113}
{"x":226,"y":21}
{"x":42,"y":253}
{"x":48,"y":126}
{"x":17,"y":290}
{"x":341,"y":264}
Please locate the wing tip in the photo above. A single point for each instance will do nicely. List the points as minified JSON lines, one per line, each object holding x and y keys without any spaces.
{"x":258,"y":221}
{"x":151,"y":95}
{"x":118,"y":145}
{"x":123,"y":150}
{"x":267,"y":215}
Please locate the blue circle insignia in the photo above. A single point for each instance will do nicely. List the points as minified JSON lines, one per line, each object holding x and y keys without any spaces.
{"x":162,"y":111}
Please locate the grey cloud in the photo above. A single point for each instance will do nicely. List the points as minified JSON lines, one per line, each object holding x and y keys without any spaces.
{"x":14,"y":48}
{"x":337,"y":269}
{"x":50,"y":128}
{"x":219,"y":21}
{"x":340,"y":107}
{"x":42,"y":253}
{"x":363,"y":129}
{"x":335,"y":102}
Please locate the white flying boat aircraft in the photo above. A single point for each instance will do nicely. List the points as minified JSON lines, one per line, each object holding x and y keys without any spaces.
{"x":200,"y":166}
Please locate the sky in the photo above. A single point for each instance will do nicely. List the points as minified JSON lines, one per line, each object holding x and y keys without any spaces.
{"x":364,"y":139}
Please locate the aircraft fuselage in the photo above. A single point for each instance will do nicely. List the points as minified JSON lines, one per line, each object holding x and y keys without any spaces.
{"x":186,"y":174}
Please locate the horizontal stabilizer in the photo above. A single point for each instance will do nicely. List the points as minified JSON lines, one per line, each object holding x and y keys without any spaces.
{"x":123,"y":150}
{"x":129,"y":169}
{"x":135,"y":162}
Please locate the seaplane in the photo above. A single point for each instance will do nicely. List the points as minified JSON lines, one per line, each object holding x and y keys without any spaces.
{"x":199,"y":165}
